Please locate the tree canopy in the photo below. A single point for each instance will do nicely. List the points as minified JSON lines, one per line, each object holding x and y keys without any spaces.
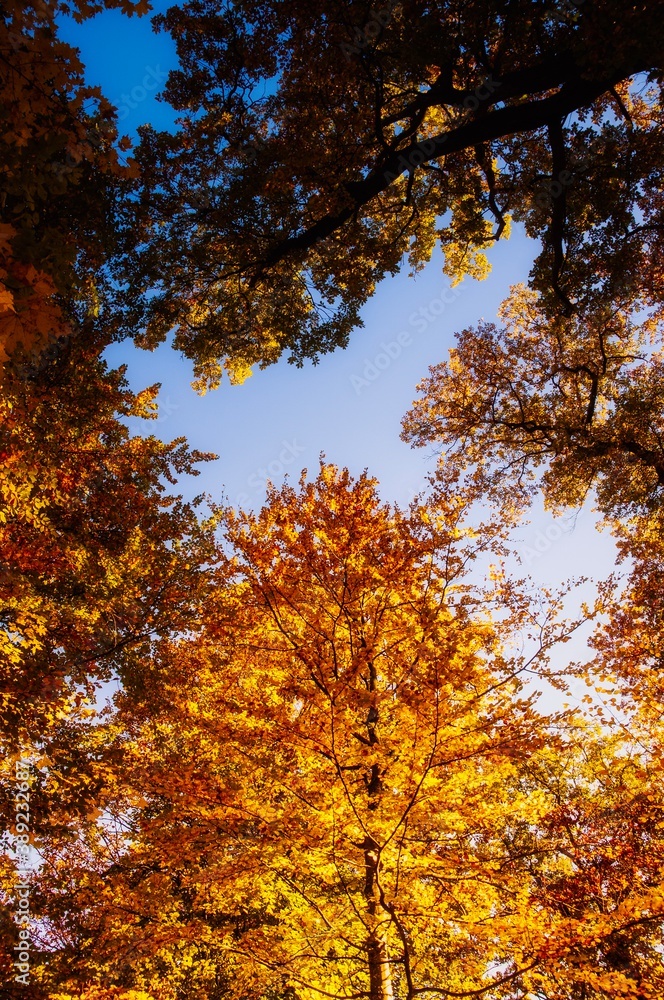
{"x":62,"y":178}
{"x":323,"y":145}
{"x":323,"y":772}
{"x":566,"y":406}
{"x":345,"y":790}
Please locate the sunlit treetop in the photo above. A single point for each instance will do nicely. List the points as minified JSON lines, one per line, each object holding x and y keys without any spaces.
{"x":345,"y":791}
{"x":569,"y":405}
{"x":322,"y":145}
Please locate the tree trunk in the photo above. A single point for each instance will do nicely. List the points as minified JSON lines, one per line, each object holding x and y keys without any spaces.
{"x":380,"y":975}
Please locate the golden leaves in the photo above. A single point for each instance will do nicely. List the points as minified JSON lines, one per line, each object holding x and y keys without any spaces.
{"x":337,"y":753}
{"x":322,"y":771}
{"x":336,"y":756}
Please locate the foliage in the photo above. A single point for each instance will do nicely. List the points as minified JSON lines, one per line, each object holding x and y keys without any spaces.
{"x":323,"y":773}
{"x":346,"y":792}
{"x":95,"y":555}
{"x":61,"y":177}
{"x":97,"y":562}
{"x":322,"y":143}
{"x":567,"y":405}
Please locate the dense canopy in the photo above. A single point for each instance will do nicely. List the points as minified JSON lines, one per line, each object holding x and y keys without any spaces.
{"x":297,"y":753}
{"x":344,"y":789}
{"x":323,"y":145}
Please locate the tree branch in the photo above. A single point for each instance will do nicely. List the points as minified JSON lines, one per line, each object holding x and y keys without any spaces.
{"x":518,"y":118}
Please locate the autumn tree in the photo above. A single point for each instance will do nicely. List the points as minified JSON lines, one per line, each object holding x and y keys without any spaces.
{"x":347,"y":792}
{"x":323,"y":774}
{"x":98,"y":560}
{"x":96,"y":555}
{"x":566,"y":406}
{"x":572,"y":408}
{"x":322,"y":144}
{"x":62,"y":176}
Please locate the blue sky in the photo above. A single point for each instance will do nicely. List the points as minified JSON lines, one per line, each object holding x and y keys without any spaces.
{"x":350,"y":405}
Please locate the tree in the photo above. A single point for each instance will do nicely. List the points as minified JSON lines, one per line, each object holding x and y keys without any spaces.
{"x":96,"y":557}
{"x":322,"y":143}
{"x":97,"y":562}
{"x":568,"y":406}
{"x":347,"y":793}
{"x":62,"y":177}
{"x":572,"y":408}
